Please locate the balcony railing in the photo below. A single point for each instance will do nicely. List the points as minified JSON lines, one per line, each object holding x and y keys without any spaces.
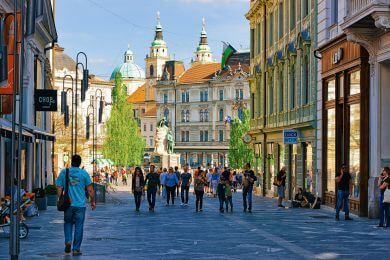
{"x":357,"y":6}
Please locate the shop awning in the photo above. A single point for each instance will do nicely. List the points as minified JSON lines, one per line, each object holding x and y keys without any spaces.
{"x":41,"y":135}
{"x":6,"y":131}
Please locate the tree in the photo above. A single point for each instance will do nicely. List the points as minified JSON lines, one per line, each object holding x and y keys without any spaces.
{"x":239,"y":152}
{"x":123,"y":144}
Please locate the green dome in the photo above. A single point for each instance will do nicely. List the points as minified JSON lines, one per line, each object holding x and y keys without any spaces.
{"x":129,"y":71}
{"x":203,"y":48}
{"x":159,"y":43}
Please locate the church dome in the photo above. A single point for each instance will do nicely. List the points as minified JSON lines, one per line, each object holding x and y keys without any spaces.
{"x":128,"y":69}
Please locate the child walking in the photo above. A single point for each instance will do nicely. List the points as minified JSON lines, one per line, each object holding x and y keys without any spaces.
{"x":229,"y":196}
{"x":221,"y":193}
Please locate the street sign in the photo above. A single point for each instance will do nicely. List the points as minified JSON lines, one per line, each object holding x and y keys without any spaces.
{"x":290,"y":136}
{"x":45,"y":100}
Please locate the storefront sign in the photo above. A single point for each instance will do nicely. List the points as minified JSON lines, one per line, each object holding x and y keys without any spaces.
{"x":45,"y":100}
{"x":338,"y":56}
{"x":290,"y":136}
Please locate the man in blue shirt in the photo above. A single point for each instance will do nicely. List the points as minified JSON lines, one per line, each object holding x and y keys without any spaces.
{"x":79,"y":181}
{"x":185,"y":180}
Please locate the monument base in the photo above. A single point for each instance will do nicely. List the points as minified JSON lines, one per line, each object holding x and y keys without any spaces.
{"x":165,"y":160}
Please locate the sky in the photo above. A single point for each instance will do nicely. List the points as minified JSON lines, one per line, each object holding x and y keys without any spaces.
{"x":103,"y":29}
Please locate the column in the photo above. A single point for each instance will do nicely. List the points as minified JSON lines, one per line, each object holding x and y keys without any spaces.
{"x":30,"y":168}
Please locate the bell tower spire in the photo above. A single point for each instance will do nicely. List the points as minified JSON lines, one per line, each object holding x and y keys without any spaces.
{"x":203,"y":53}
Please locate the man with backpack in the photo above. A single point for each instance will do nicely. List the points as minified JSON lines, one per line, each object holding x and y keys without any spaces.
{"x":74,"y":181}
{"x":247,"y":187}
{"x":152,"y":181}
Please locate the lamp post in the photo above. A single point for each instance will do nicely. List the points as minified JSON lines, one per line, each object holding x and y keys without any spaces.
{"x":84,"y":88}
{"x":64,"y":107}
{"x":99,"y":117}
{"x":91,"y":106}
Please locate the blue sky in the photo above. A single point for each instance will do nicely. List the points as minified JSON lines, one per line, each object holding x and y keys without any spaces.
{"x":104,"y":28}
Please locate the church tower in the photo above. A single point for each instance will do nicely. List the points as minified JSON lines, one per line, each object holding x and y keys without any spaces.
{"x":158,"y":55}
{"x":203,"y":53}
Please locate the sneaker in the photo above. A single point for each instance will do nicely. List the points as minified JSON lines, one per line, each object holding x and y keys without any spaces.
{"x":77,"y":253}
{"x":201,"y":210}
{"x":379,"y":226}
{"x":182,"y":204}
{"x":280,"y":206}
{"x":348,"y":218}
{"x":68,"y":248}
{"x":196,"y":210}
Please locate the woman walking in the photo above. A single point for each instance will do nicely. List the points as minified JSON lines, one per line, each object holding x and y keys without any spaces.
{"x":138,"y":184}
{"x":171,"y":182}
{"x":199,"y":184}
{"x":384,"y":208}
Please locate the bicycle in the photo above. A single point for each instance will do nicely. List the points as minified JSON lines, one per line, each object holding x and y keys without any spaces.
{"x":5,"y":223}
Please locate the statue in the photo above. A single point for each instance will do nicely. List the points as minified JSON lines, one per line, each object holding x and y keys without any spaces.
{"x":160,"y":146}
{"x":170,"y":142}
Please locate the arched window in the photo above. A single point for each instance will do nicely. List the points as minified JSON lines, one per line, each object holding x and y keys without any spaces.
{"x":166,"y":114}
{"x":221,"y":115}
{"x":151,"y":70}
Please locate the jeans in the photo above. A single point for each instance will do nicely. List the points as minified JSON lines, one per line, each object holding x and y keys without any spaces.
{"x":74,"y":216}
{"x":229,"y":200}
{"x":137,"y":199}
{"x":177,"y":191}
{"x":221,"y":202}
{"x":171,"y":194}
{"x":151,"y":194}
{"x":384,"y":212}
{"x":342,"y":198}
{"x":247,"y":197}
{"x":199,"y":199}
{"x":185,"y":189}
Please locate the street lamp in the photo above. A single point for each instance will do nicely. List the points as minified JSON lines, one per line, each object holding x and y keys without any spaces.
{"x":84,"y":86}
{"x":65,"y":108}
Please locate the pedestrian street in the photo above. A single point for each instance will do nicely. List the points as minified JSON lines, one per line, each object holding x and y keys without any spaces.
{"x":116,"y":231}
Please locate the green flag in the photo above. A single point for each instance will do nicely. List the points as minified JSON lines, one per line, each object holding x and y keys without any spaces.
{"x":227,"y":53}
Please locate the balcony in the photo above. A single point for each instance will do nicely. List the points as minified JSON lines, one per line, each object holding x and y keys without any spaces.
{"x":367,"y":14}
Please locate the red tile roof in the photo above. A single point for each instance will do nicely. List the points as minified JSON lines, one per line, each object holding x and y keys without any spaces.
{"x":199,"y":73}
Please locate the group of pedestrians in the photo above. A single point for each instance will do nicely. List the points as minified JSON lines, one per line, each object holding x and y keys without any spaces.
{"x":169,"y":183}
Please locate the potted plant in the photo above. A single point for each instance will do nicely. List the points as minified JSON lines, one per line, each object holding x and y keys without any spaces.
{"x":51,"y":194}
{"x":40,"y":198}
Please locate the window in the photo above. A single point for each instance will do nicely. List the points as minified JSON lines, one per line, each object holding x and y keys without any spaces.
{"x":305,"y":81}
{"x":271,"y":30}
{"x":151,"y":141}
{"x":292,"y":88}
{"x":145,"y":128}
{"x":206,"y":95}
{"x":258,"y":37}
{"x":187,"y":136}
{"x":281,"y":21}
{"x":240,"y":113}
{"x":271,"y":97}
{"x":204,"y":136}
{"x":206,"y":115}
{"x":252,"y":42}
{"x":151,"y":70}
{"x":354,"y":147}
{"x":331,"y":149}
{"x":203,"y":95}
{"x":241,"y":94}
{"x":187,"y":96}
{"x":221,"y":94}
{"x":165,"y":98}
{"x":201,"y":115}
{"x":292,"y":14}
{"x":334,"y":9}
{"x":201,"y":136}
{"x":305,"y":8}
{"x":183,"y":97}
{"x":151,"y":127}
{"x":220,"y":135}
{"x":187,"y":115}
{"x":355,"y":83}
{"x":281,"y":92}
{"x":166,"y":114}
{"x":331,"y":93}
{"x":221,"y":115}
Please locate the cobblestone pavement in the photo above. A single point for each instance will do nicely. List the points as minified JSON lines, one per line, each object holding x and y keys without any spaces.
{"x":116,"y":231}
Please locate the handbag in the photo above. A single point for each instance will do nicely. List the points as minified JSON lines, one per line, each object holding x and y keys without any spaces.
{"x":386,"y":196}
{"x":63,"y":202}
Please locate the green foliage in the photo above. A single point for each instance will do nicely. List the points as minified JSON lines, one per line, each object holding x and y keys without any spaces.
{"x":239,"y":152}
{"x":123,"y":144}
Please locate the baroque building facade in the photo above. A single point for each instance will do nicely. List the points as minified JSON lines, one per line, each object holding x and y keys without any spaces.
{"x":197,"y":103}
{"x":283,"y":91}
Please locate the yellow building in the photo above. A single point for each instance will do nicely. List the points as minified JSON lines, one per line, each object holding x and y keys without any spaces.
{"x":283,"y":87}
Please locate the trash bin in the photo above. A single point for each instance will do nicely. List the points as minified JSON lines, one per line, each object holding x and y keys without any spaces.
{"x":100,"y":193}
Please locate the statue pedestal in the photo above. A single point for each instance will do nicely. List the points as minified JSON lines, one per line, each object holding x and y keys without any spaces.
{"x":165,"y":160}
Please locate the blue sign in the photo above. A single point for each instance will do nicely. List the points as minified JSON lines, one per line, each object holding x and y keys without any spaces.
{"x":290,"y":136}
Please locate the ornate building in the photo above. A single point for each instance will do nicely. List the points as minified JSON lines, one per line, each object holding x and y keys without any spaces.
{"x":143,"y":99}
{"x":283,"y":87}
{"x":99,"y":93}
{"x":133,"y":76}
{"x":197,"y":102}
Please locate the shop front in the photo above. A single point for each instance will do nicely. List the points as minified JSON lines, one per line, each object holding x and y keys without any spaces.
{"x":345,"y":120}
